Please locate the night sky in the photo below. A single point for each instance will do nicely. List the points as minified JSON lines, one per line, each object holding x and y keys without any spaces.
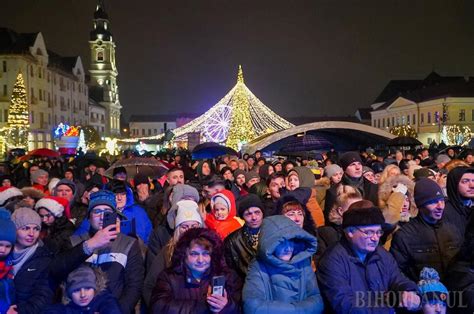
{"x":300,"y":57}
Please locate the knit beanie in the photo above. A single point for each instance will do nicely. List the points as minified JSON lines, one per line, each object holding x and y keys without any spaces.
{"x":187,"y":211}
{"x":251,"y":175}
{"x":423,"y":173}
{"x":55,"y":204}
{"x":24,"y":216}
{"x":427,"y":191}
{"x":102,"y":197}
{"x":431,"y":289}
{"x":248,"y":201}
{"x":366,"y":216}
{"x":38,"y":173}
{"x":7,"y":227}
{"x":8,"y":192}
{"x":331,"y":170}
{"x":348,"y":158}
{"x":238,"y":172}
{"x":82,"y":277}
{"x":68,"y":183}
{"x":141,"y":178}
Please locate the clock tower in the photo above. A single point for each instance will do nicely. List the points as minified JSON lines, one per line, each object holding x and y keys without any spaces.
{"x":103,"y":70}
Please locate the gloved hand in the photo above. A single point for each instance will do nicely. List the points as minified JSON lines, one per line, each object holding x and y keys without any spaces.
{"x":402,"y":188}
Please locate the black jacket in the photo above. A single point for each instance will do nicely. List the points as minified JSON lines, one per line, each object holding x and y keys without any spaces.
{"x":58,"y":234}
{"x":33,"y":287}
{"x":419,"y":244}
{"x":238,"y":252}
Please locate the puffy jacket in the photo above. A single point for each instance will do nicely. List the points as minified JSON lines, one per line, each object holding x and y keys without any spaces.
{"x":274,"y":286}
{"x":456,"y":212}
{"x":348,"y":284}
{"x":175,"y":292}
{"x":419,"y":244}
{"x":238,"y":252}
{"x":32,"y":283}
{"x":131,"y":211}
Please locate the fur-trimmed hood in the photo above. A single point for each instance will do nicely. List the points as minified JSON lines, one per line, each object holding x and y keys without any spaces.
{"x":385,"y":191}
{"x":32,"y":192}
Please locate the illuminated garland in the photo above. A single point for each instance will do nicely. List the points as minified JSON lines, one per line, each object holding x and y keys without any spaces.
{"x":404,"y":130}
{"x":456,"y":135}
{"x":18,"y":116}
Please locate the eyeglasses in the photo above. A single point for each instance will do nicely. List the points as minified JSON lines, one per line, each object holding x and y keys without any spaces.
{"x":99,"y":211}
{"x":371,"y":233}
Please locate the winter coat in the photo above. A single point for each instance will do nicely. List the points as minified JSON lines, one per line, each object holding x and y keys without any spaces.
{"x":274,"y":286}
{"x":368,"y":190}
{"x":419,"y":244}
{"x":456,"y":212}
{"x":32,"y":283}
{"x":238,"y":252}
{"x":348,"y":284}
{"x":160,"y":263}
{"x":460,"y":277}
{"x":306,"y":178}
{"x":122,"y":262}
{"x":158,"y":239}
{"x":57,"y":236}
{"x":328,"y":236}
{"x":131,"y":211}
{"x":230,"y":224}
{"x":7,"y":288}
{"x":176,"y":292}
{"x":104,"y":302}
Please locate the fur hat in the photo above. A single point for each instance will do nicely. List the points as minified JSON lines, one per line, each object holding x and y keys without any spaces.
{"x":7,"y":227}
{"x":348,"y":158}
{"x":32,"y":192}
{"x":392,"y":215}
{"x":8,"y":192}
{"x":55,"y":204}
{"x":24,"y":216}
{"x":247,"y":201}
{"x":365,"y":216}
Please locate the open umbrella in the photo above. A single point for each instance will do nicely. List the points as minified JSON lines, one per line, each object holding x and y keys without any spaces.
{"x":149,"y":166}
{"x":211,"y":150}
{"x":404,"y":141}
{"x":89,"y":158}
{"x":41,"y":152}
{"x":307,"y":142}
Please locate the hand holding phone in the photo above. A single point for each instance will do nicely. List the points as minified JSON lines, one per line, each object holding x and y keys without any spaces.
{"x":217,"y":300}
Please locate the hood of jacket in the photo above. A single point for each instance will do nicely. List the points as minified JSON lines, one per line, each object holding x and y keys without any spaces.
{"x":306,"y":176}
{"x":454,"y":176}
{"x":277,"y":229}
{"x":385,"y":191}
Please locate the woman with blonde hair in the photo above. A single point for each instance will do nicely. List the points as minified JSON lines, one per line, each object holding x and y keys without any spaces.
{"x":389,"y":171}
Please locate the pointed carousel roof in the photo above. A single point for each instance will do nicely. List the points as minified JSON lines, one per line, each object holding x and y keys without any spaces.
{"x":237,"y":118}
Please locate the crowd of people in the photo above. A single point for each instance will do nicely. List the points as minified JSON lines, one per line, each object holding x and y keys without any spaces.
{"x":351,"y":232}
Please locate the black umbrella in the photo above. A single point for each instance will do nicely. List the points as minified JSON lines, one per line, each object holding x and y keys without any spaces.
{"x":307,"y":142}
{"x":90,"y":158}
{"x":404,"y":141}
{"x":211,"y":150}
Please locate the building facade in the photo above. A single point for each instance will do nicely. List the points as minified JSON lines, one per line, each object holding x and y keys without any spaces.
{"x":97,"y":116}
{"x":426,"y":105}
{"x":150,"y":125}
{"x":56,"y":89}
{"x":103,"y":71}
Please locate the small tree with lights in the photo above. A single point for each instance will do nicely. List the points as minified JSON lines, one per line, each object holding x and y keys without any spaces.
{"x":456,"y":135}
{"x":18,"y":117}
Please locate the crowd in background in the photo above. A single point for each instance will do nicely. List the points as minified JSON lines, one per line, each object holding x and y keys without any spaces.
{"x":351,"y":232}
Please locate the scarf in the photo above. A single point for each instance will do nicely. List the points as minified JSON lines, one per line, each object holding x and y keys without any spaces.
{"x":20,"y":257}
{"x":251,"y":235}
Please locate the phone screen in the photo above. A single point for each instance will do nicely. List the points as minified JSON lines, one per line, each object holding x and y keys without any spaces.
{"x":218,"y":283}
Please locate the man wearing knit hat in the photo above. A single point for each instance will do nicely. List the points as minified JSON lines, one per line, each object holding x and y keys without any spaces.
{"x":251,"y":178}
{"x":351,"y":163}
{"x":118,"y":255}
{"x":356,"y":273}
{"x":427,"y":240}
{"x":240,"y":247}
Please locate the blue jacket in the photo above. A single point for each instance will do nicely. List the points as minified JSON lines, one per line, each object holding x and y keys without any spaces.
{"x":131,"y":211}
{"x":349,"y":285}
{"x":274,"y":286}
{"x":102,"y":303}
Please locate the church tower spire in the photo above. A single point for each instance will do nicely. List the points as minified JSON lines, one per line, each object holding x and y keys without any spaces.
{"x":103,"y":69}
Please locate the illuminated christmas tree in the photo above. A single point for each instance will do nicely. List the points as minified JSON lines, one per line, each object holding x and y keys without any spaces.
{"x":18,"y":116}
{"x":237,"y":118}
{"x":241,"y":128}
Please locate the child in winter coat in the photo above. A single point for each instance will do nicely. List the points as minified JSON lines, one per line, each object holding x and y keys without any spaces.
{"x":85,"y":288}
{"x":7,"y":240}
